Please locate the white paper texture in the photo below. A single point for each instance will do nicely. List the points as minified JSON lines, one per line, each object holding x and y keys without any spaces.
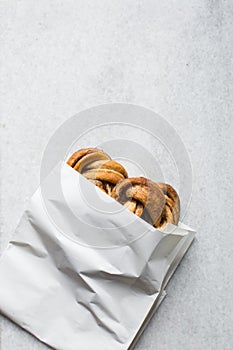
{"x":82,"y":272}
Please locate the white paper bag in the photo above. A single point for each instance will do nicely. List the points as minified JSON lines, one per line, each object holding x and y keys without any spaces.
{"x":83,"y":272}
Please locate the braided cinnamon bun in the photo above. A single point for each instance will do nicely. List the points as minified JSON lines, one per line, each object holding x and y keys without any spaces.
{"x":141,"y":196}
{"x":96,"y":166}
{"x":156,"y":203}
{"x":171,"y":211}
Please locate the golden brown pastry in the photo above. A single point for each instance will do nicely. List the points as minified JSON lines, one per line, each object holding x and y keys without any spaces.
{"x":141,"y":196}
{"x":156,"y":203}
{"x":171,"y":212}
{"x":98,"y":167}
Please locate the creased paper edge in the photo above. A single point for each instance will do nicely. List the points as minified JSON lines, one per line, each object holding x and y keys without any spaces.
{"x":161,"y":295}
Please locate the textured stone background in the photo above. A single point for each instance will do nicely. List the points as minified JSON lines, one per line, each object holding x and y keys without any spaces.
{"x":59,"y":57}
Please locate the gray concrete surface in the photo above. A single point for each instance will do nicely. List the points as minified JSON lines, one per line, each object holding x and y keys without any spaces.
{"x":175,"y":57}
